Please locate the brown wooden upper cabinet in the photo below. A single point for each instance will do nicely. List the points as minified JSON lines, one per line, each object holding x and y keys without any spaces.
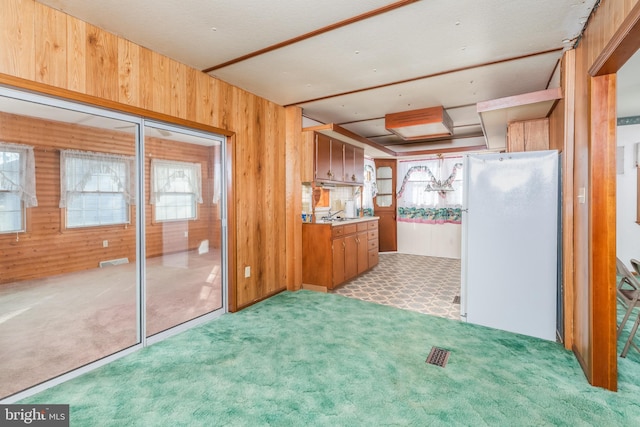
{"x":528,"y":135}
{"x":353,"y":164}
{"x":337,"y":161}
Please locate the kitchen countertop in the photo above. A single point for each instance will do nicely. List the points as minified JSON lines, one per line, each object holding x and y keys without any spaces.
{"x":344,"y":221}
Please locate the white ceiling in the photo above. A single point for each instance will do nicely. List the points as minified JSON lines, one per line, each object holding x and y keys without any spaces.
{"x":420,"y":54}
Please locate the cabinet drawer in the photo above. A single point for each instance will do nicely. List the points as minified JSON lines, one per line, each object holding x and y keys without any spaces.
{"x":372,"y":235}
{"x":362,"y":226}
{"x":350,"y":229}
{"x":373,"y":244}
{"x":373,"y":258}
{"x":337,"y":231}
{"x":372,"y":225}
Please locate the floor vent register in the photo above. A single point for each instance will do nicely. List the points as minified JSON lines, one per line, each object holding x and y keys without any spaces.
{"x":438,"y":356}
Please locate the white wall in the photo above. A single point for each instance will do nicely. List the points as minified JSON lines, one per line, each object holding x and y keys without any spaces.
{"x":628,"y":231}
{"x":438,"y":240}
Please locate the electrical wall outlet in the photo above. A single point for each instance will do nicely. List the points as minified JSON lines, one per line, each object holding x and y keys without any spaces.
{"x":105,"y":243}
{"x":247,"y":271}
{"x":186,"y":234}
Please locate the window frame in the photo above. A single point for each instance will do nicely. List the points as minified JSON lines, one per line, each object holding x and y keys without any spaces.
{"x":127,"y":162}
{"x":24,"y":189}
{"x":192,"y":168}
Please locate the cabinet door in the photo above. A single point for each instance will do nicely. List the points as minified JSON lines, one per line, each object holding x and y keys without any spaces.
{"x":350,"y":257}
{"x":363,"y":251}
{"x":353,"y":164}
{"x":349,"y":164}
{"x":323,"y":158}
{"x":358,"y":161}
{"x":338,"y":247}
{"x":337,"y":160}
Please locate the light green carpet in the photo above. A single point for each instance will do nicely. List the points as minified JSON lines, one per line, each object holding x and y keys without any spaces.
{"x":313,"y":359}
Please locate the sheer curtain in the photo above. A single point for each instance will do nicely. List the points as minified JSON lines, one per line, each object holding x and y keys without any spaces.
{"x":170,"y":176}
{"x":370,"y":188}
{"x":430,"y":191}
{"x":18,"y":172}
{"x":86,"y":171}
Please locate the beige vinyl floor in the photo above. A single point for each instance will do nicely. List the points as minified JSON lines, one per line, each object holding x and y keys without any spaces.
{"x":52,"y":325}
{"x":411,"y":282}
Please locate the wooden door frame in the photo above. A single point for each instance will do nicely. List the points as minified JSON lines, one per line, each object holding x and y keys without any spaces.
{"x":602,"y":371}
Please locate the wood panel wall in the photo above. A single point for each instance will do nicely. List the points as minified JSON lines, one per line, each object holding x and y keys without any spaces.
{"x":561,"y":129}
{"x":594,"y":303}
{"x":48,"y":248}
{"x":49,"y":51}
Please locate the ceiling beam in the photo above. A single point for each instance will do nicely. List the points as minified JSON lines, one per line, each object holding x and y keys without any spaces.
{"x":314,"y":33}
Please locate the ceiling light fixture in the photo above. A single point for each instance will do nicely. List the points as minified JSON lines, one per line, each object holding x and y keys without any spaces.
{"x":425,"y":123}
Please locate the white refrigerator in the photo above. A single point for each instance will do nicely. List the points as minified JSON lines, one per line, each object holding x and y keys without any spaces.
{"x":510,"y":226}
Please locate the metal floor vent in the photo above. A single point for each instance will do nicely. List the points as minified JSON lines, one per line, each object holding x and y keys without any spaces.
{"x":456,"y":299}
{"x":438,"y":356}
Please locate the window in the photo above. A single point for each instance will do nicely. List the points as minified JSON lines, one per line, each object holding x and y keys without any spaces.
{"x":176,"y":187}
{"x":431,"y":191}
{"x":96,"y":188}
{"x":17,"y":185}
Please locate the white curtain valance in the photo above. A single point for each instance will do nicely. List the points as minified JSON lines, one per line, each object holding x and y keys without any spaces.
{"x":82,"y":171}
{"x":18,"y":172}
{"x":170,"y":176}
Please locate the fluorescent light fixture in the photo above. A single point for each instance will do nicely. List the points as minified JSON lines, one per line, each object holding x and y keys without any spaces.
{"x":425,"y":123}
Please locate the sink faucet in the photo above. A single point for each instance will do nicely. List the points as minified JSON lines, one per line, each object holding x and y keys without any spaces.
{"x":330,"y":215}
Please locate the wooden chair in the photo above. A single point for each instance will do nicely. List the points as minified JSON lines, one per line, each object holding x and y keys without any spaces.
{"x":628,"y":293}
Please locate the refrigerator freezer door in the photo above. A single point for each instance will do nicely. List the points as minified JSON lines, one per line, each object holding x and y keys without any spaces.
{"x":510,"y":228}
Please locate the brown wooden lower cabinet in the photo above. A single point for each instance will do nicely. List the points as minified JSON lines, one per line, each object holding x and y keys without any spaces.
{"x":336,"y":253}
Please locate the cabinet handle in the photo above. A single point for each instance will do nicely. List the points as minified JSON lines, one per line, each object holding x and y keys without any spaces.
{"x":344,"y":245}
{"x":353,"y":177}
{"x":329,"y":174}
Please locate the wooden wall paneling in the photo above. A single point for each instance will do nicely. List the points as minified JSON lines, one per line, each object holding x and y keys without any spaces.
{"x":191,"y":92}
{"x":161,"y":92}
{"x":602,"y":231}
{"x":17,"y":31}
{"x":50,"y":46}
{"x":76,"y":55}
{"x":205,"y":98}
{"x":102,"y":63}
{"x":279,"y":199}
{"x":178,"y":89}
{"x":293,"y":156}
{"x":146,"y":81}
{"x":556,"y":126}
{"x":563,"y":137}
{"x":128,"y":73}
{"x":581,"y":332}
{"x":248,"y":176}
